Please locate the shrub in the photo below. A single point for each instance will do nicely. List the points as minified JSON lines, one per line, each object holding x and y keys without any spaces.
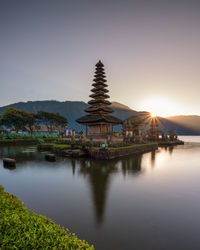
{"x":22,"y":229}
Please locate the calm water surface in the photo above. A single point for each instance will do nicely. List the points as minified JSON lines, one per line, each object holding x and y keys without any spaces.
{"x":149,"y":201}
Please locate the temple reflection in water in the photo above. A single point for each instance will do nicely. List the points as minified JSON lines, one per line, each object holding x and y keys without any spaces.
{"x":99,"y":177}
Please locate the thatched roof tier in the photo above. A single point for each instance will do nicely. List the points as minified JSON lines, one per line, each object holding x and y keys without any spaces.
{"x":99,"y":64}
{"x":99,"y":109}
{"x":98,"y":84}
{"x":99,"y":72}
{"x":99,"y":101}
{"x":97,"y":89}
{"x":99,"y":80}
{"x":100,"y":94}
{"x":88,"y":119}
{"x":99,"y":75}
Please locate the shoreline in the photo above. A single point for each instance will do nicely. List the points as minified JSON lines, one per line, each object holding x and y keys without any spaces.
{"x":97,"y":153}
{"x":113,"y":153}
{"x":77,"y":151}
{"x":170,"y":143}
{"x":24,"y":141}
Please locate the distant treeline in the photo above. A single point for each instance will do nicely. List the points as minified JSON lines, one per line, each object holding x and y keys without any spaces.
{"x":25,"y":121}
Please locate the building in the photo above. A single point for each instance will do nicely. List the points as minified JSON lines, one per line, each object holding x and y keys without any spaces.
{"x":99,"y":119}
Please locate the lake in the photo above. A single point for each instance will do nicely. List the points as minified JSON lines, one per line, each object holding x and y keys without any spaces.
{"x":148,"y":201}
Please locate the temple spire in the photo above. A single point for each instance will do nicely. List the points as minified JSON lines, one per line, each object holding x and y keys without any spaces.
{"x":99,"y":119}
{"x":99,"y":103}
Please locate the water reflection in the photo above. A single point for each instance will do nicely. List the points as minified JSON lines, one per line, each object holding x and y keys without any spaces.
{"x":99,"y":180}
{"x":131,"y":165}
{"x":171,"y":148}
{"x":136,"y":202}
{"x":20,"y":154}
{"x":153,"y":158}
{"x":99,"y":175}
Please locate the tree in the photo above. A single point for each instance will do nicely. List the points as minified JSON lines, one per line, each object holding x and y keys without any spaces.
{"x":23,"y":120}
{"x":14,"y":118}
{"x":60,"y":122}
{"x":52,"y":120}
{"x":1,"y":120}
{"x":46,"y":119}
{"x":1,"y":124}
{"x":30,"y":121}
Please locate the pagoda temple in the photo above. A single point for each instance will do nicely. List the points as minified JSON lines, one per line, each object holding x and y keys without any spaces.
{"x":99,"y":119}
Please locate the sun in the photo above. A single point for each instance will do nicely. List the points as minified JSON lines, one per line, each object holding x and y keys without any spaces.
{"x":159,"y":106}
{"x":153,"y":114}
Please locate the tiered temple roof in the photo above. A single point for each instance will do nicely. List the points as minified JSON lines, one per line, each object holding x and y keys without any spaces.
{"x":99,"y":109}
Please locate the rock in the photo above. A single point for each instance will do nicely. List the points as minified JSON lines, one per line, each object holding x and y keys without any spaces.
{"x":50,"y":157}
{"x":9,"y":163}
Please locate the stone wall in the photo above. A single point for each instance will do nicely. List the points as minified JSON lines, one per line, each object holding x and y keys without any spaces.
{"x":106,"y":154}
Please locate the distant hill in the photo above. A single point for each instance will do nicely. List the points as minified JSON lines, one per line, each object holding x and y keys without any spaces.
{"x":182,"y":125}
{"x":70,"y":109}
{"x":180,"y":128}
{"x":188,"y":121}
{"x":119,"y":105}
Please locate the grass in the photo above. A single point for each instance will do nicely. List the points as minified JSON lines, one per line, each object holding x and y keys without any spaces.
{"x":55,"y":145}
{"x":25,"y":139}
{"x":16,"y":140}
{"x":61,"y":145}
{"x":22,"y":229}
{"x":133,"y":146}
{"x":127,"y":147}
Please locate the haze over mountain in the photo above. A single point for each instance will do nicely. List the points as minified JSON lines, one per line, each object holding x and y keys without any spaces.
{"x":182,"y":125}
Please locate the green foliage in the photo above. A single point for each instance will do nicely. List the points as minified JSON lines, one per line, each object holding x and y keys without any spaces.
{"x":117,"y":145}
{"x":133,"y":146}
{"x":52,"y":119}
{"x":30,"y":121}
{"x":55,"y":145}
{"x":61,"y":145}
{"x":16,"y":141}
{"x":1,"y":124}
{"x":14,"y":118}
{"x":125,"y":146}
{"x":19,"y":119}
{"x":63,"y":141}
{"x":22,"y":229}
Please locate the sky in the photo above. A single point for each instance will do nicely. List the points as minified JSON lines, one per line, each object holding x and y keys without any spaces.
{"x":150,"y":49}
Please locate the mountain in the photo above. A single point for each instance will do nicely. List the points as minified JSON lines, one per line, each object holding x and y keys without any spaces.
{"x":182,"y":125}
{"x":180,"y":128}
{"x":191,"y":122}
{"x":119,"y":105}
{"x":70,"y":109}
